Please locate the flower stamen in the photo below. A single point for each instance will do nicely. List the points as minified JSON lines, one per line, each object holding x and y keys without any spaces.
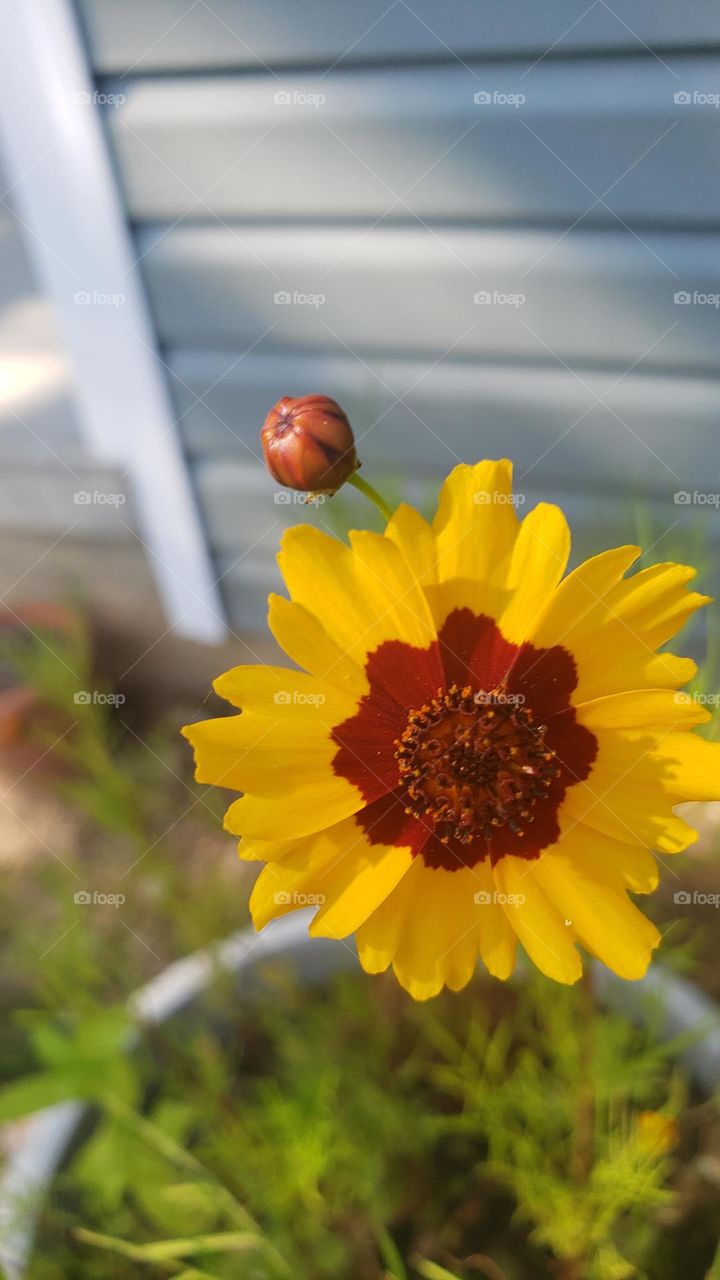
{"x":472,"y":762}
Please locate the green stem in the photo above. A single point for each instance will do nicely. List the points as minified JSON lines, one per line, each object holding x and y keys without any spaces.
{"x":371,"y":493}
{"x":176,"y":1155}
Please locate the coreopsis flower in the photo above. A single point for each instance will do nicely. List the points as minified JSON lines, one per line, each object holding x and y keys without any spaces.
{"x":308,"y":444}
{"x":478,"y":750}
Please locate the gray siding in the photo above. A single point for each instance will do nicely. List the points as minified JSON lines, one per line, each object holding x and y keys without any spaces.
{"x":170,"y":34}
{"x":593,"y":297}
{"x":320,"y":204}
{"x":407,"y":141}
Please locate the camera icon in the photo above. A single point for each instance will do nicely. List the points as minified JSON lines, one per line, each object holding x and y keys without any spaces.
{"x":682,"y":498}
{"x":282,"y":98}
{"x":282,"y":698}
{"x":682,"y":298}
{"x":82,"y":498}
{"x":682,"y":97}
{"x":482,"y":298}
{"x":282,"y":498}
{"x":482,"y":498}
{"x":82,"y":897}
{"x":82,"y":298}
{"x":481,"y":98}
{"x":82,"y":698}
{"x":482,"y":898}
{"x":682,"y":898}
{"x":282,"y":298}
{"x":282,"y":899}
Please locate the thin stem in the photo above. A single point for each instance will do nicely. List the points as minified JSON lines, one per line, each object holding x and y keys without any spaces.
{"x":371,"y":493}
{"x":584,"y":1138}
{"x":176,"y":1155}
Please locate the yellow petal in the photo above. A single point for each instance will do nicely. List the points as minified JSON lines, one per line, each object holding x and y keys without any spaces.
{"x":636,"y":780}
{"x":337,"y":870}
{"x":431,"y":928}
{"x":415,"y":539}
{"x":475,"y":530}
{"x":538,"y":562}
{"x":295,"y":812}
{"x":354,"y":894}
{"x":549,"y":942}
{"x":497,"y":939}
{"x":272,"y":757}
{"x":571,"y":609}
{"x":365,"y":594}
{"x":302,"y":636}
{"x":636,"y":866}
{"x":588,"y":890}
{"x":659,"y":709}
{"x":612,"y":625}
{"x":221,"y":748}
{"x":437,"y":944}
{"x":279,"y":692}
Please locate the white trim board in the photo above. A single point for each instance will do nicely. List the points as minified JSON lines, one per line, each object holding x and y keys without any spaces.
{"x":64,"y":192}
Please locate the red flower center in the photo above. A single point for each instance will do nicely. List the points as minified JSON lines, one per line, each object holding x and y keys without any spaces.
{"x":473,"y":762}
{"x":464,"y":751}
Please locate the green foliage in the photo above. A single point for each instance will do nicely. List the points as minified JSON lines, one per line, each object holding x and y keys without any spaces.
{"x":523,"y":1089}
{"x":344,"y":1132}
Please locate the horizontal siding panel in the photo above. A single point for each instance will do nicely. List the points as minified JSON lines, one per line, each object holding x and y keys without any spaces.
{"x":75,"y":499}
{"x":414,"y":142}
{"x":170,"y":34}
{"x":648,"y":435}
{"x":589,"y":297}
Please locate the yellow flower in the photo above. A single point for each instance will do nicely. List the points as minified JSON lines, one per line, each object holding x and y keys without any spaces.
{"x":656,"y":1133}
{"x":478,"y":749}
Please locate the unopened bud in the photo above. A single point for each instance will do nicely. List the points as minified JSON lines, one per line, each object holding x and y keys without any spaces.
{"x":308,"y":444}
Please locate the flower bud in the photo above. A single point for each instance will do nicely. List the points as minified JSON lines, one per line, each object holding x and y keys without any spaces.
{"x":308,"y":444}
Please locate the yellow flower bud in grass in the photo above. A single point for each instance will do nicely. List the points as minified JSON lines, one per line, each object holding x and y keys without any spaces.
{"x":656,"y":1133}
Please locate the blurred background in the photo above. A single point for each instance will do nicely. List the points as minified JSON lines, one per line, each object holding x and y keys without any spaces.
{"x":490,"y":229}
{"x":486,"y":229}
